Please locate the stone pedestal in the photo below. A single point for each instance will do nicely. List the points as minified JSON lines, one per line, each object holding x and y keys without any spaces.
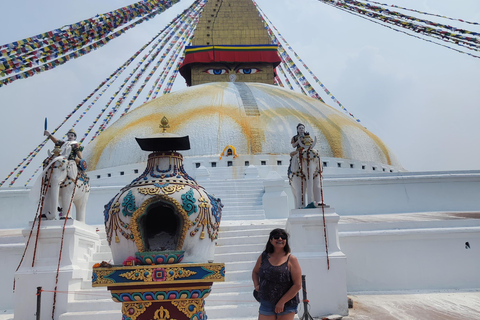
{"x":80,"y":241}
{"x":275,"y":199}
{"x":326,"y":288}
{"x":163,"y":292}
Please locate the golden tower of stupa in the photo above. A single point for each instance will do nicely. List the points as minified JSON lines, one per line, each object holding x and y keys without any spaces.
{"x":230,"y":44}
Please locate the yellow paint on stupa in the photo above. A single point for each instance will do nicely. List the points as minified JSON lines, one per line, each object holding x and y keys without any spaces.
{"x":215,"y":115}
{"x":176,"y":122}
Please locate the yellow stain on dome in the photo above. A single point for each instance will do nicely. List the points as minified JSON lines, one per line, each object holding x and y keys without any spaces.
{"x":381,"y":145}
{"x":322,"y":123}
{"x":344,"y":121}
{"x":330,"y":125}
{"x":177,"y":121}
{"x":320,"y":116}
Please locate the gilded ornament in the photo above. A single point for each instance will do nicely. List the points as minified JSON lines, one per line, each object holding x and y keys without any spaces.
{"x":158,"y":274}
{"x":204,"y":219}
{"x":216,"y":272}
{"x":162,"y":314}
{"x":139,"y":274}
{"x":178,"y":273}
{"x":100,"y":277}
{"x":133,"y":310}
{"x":172,"y":189}
{"x":116,"y":208}
{"x":150,"y":191}
{"x":189,"y":307}
{"x":164,"y":124}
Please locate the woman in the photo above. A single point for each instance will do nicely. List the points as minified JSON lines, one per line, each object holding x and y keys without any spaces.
{"x":277,"y":277}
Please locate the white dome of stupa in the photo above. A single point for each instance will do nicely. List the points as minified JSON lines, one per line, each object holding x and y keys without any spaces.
{"x":254,"y":118}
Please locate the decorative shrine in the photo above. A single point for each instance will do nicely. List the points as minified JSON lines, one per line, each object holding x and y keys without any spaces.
{"x":162,"y":218}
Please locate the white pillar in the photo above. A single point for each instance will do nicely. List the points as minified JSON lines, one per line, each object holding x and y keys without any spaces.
{"x":275,"y":199}
{"x":326,"y":288}
{"x":80,"y":242}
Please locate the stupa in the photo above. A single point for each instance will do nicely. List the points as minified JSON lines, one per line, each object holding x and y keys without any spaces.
{"x":232,"y":102}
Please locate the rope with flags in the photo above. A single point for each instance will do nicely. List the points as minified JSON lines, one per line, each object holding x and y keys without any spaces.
{"x":415,"y":27}
{"x":289,"y":64}
{"x":178,"y":31}
{"x":48,"y":50}
{"x":178,"y":28}
{"x":422,"y":12}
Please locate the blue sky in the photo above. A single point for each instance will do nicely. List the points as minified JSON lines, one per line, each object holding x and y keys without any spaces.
{"x":422,"y":100}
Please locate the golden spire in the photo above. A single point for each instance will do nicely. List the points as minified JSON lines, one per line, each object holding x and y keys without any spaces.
{"x":230,"y":22}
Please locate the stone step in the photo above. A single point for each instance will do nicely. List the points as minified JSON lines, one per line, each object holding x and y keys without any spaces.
{"x":101,"y":304}
{"x":238,"y":275}
{"x":239,"y":212}
{"x":225,"y":298}
{"x":232,"y":184}
{"x":114,"y":314}
{"x":244,"y":207}
{"x":89,"y":293}
{"x":235,"y":286}
{"x":240,"y":265}
{"x":221,"y":248}
{"x":250,"y":239}
{"x":244,"y":232}
{"x":102,"y":256}
{"x":239,"y":310}
{"x":249,"y":225}
{"x":236,"y":203}
{"x":238,"y":192}
{"x":243,"y":217}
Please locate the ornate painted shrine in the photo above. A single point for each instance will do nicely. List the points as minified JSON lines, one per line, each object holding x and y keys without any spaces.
{"x":162,"y":218}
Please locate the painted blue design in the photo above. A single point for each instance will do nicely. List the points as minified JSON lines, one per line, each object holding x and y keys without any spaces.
{"x":107,"y":210}
{"x":129,"y":204}
{"x":162,"y":175}
{"x":161,"y":185}
{"x":188,"y":202}
{"x":164,"y":171}
{"x":216,"y":207}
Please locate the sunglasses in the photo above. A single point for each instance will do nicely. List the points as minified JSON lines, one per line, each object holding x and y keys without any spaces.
{"x":278,"y":236}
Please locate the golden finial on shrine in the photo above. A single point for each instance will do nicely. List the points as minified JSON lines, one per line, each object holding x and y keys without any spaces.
{"x":164,"y":124}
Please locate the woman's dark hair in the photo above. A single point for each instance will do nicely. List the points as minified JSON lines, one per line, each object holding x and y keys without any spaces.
{"x":273,"y":233}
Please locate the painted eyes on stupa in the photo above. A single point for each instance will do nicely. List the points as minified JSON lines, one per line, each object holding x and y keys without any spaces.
{"x":248,"y":70}
{"x":220,"y":71}
{"x":216,"y":71}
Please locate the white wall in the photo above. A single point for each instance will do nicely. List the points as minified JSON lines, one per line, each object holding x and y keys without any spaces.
{"x":11,"y":250}
{"x":404,"y":192}
{"x":381,"y":193}
{"x":418,"y":259}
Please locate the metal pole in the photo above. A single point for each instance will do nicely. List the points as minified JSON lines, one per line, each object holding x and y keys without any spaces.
{"x":39,"y":302}
{"x":306,"y":315}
